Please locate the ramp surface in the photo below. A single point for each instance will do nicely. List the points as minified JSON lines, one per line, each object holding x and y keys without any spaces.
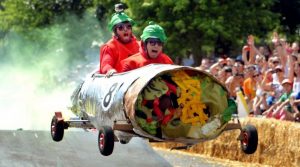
{"x":78,"y":148}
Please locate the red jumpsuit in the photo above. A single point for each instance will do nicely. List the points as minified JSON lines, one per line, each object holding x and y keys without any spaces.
{"x":113,"y":52}
{"x":141,"y":59}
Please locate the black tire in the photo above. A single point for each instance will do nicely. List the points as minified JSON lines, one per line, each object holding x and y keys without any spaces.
{"x":106,"y":140}
{"x":250,"y":139}
{"x":57,"y":129}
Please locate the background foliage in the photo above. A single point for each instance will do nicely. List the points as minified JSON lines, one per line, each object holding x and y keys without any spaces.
{"x":205,"y":27}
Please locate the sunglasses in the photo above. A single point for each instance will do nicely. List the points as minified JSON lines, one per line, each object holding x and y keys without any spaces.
{"x":255,"y":75}
{"x":153,"y":42}
{"x":122,"y":27}
{"x":239,"y":75}
{"x":276,"y":71}
{"x":275,"y":62}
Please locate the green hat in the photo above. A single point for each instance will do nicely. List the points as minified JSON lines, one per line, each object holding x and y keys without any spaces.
{"x":154,"y":31}
{"x":119,"y":18}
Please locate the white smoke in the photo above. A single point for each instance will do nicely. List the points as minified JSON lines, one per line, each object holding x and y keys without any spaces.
{"x":37,"y":82}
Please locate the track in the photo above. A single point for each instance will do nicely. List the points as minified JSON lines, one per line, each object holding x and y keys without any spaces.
{"x":78,"y":148}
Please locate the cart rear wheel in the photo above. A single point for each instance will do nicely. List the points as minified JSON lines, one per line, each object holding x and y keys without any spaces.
{"x":57,"y":129}
{"x":106,"y":140}
{"x":249,"y":140}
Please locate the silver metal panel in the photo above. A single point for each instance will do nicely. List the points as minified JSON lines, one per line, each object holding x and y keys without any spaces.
{"x":106,"y":100}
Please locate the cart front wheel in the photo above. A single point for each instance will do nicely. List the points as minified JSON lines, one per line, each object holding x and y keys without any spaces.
{"x":57,"y":129}
{"x":106,"y":140}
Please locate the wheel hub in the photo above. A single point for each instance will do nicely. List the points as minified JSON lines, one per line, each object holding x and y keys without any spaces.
{"x":245,"y":139}
{"x":53,"y":128}
{"x":101,"y":140}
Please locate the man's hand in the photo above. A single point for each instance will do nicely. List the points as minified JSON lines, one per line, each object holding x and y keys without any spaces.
{"x":110,"y":73}
{"x":250,"y":40}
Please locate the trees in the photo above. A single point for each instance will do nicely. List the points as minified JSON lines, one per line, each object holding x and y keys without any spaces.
{"x":25,"y":15}
{"x":47,"y":25}
{"x":290,"y":11}
{"x":200,"y":25}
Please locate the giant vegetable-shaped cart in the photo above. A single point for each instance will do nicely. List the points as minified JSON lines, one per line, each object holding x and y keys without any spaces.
{"x":158,"y":102}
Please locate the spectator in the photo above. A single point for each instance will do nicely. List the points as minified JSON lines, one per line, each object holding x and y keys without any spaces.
{"x":294,"y":102}
{"x":278,"y":75}
{"x":262,"y":50}
{"x":178,"y":60}
{"x":250,"y":87}
{"x":296,"y":85}
{"x":249,"y":71}
{"x":216,"y":67}
{"x":234,"y":83}
{"x":230,"y":61}
{"x":282,"y":109}
{"x":153,"y":39}
{"x":205,"y":64}
{"x":228,"y":72}
{"x":268,"y":87}
{"x":261,"y":64}
{"x":267,"y":80}
{"x":295,"y":49}
{"x":122,"y":45}
{"x":238,"y":66}
{"x":224,"y":73}
{"x":248,"y":51}
{"x":280,"y":50}
{"x":274,"y":87}
{"x":188,"y":60}
{"x":273,"y":62}
{"x":260,"y":102}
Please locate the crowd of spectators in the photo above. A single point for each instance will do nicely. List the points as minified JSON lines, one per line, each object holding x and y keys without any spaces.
{"x":268,"y":76}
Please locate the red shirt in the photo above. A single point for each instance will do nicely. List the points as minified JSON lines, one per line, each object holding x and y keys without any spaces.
{"x":113,"y":52}
{"x":141,"y":59}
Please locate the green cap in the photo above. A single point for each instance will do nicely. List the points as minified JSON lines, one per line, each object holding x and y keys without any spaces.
{"x":154,"y":31}
{"x":119,"y":18}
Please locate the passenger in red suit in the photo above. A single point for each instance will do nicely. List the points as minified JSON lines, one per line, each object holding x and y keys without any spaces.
{"x":151,"y":51}
{"x":122,"y":44}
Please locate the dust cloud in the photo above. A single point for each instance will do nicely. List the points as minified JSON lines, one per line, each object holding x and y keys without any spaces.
{"x":39,"y":70}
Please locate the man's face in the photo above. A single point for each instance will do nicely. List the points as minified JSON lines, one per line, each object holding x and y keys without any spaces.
{"x":124,"y":32}
{"x":261,"y":49}
{"x":222,"y":62}
{"x":205,"y":63}
{"x":274,"y":62}
{"x":287,"y":87}
{"x":250,"y":71}
{"x":154,"y":47}
{"x":256,"y":77}
{"x":239,"y":67}
{"x":239,"y":78}
{"x":279,"y":72}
